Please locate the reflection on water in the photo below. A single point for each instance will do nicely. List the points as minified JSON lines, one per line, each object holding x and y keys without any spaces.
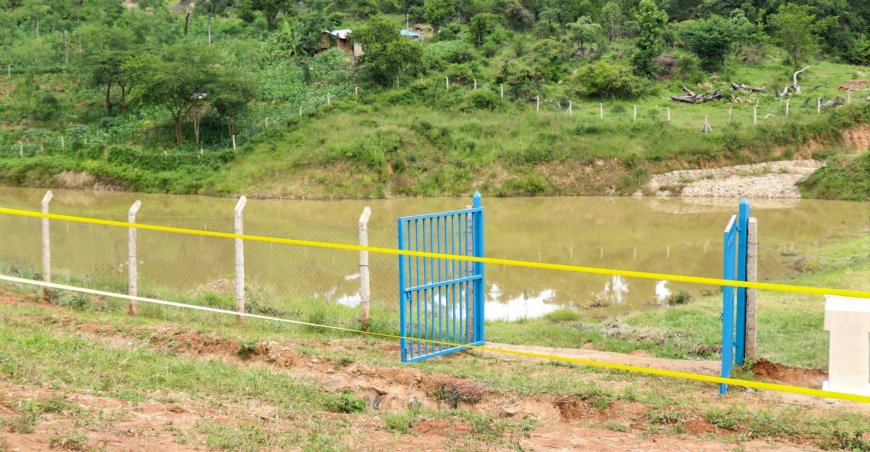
{"x":673,"y":235}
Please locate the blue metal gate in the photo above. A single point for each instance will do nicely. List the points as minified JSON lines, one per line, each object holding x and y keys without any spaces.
{"x":734,"y":268}
{"x":441,"y":300}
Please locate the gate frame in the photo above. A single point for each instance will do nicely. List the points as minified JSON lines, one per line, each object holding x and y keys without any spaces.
{"x":734,"y":247}
{"x":474,"y":215}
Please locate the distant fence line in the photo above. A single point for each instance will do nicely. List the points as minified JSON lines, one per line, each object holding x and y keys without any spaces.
{"x":609,"y":112}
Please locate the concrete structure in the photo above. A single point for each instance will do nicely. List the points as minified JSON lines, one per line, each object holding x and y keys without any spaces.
{"x":848,"y":321}
{"x":342,"y":40}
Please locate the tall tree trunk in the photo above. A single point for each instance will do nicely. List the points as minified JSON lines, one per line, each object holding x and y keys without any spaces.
{"x":123,"y":97}
{"x":178,"y":119}
{"x":108,"y":98}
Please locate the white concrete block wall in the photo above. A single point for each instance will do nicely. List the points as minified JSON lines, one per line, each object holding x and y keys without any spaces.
{"x":848,"y":321}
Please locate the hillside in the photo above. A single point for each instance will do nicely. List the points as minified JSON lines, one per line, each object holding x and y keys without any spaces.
{"x":511,"y":98}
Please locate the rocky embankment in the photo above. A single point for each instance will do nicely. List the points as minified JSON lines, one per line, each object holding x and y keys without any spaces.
{"x":759,"y":180}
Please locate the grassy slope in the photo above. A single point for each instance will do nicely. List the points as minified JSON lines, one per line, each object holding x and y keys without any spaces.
{"x":844,"y":177}
{"x":419,"y":140}
{"x":382,"y":145}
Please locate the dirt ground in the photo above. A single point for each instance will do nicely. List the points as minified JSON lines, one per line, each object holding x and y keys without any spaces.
{"x":563,"y":422}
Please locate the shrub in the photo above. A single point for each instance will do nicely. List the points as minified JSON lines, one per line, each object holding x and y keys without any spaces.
{"x":609,"y":81}
{"x":345,"y":402}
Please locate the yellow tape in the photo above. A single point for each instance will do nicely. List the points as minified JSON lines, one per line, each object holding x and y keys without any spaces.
{"x":585,"y":362}
{"x":485,"y":260}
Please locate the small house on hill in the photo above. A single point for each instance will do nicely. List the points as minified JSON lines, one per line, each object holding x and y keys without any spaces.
{"x":340,"y":39}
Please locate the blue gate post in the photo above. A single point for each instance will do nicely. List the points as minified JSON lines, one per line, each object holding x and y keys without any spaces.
{"x":403,"y":324}
{"x":742,"y":233}
{"x":479,"y":318}
{"x":728,"y":270}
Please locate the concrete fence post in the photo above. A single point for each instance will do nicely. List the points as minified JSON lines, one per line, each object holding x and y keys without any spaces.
{"x":364,"y":287}
{"x":234,"y":142}
{"x":267,"y":122}
{"x":755,"y":115}
{"x":751,"y":275}
{"x":537,"y":103}
{"x":848,"y":96}
{"x":634,"y":113}
{"x":8,"y":71}
{"x":240,"y":258}
{"x":20,"y":149}
{"x":787,"y":107}
{"x":300,"y":111}
{"x":730,"y":114}
{"x":475,"y":84}
{"x":668,"y":111}
{"x":62,"y":143}
{"x":601,"y":111}
{"x":356,"y":90}
{"x":328,"y":99}
{"x":501,"y":90}
{"x":819,"y":106}
{"x":447,"y":83}
{"x":570,"y":107}
{"x":132,"y":259}
{"x":46,"y":244}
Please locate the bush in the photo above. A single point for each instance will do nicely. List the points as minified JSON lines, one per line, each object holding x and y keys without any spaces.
{"x":608,"y":81}
{"x":482,"y":99}
{"x":345,"y":403}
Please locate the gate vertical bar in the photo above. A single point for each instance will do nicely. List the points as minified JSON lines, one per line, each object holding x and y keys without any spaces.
{"x":403,"y":302}
{"x":479,"y":318}
{"x":728,"y":267}
{"x":742,"y":234}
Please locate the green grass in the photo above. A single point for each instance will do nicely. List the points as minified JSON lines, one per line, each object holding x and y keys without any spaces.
{"x":843,"y":177}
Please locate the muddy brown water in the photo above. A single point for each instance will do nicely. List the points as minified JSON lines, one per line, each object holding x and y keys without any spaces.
{"x":661,"y":235}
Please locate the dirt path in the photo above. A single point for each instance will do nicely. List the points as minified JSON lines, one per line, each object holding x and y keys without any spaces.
{"x":562,"y":422}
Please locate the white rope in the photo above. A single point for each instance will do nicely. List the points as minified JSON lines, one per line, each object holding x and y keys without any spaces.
{"x":102,"y":293}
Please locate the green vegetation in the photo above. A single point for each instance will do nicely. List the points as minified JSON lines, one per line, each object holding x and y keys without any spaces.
{"x":843,"y":177}
{"x":231,"y":97}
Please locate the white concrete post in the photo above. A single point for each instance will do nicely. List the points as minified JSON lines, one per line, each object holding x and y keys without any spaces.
{"x":570,"y":107}
{"x":755,"y":115}
{"x":601,"y":111}
{"x":234,"y":142}
{"x":787,"y":107}
{"x":475,"y":84}
{"x":300,"y":111}
{"x":819,"y":106}
{"x":62,"y":143}
{"x":848,"y":96}
{"x":240,"y":258}
{"x":447,"y":83}
{"x":356,"y":90}
{"x":328,"y":99}
{"x":132,"y":259}
{"x":730,"y":114}
{"x":634,"y":114}
{"x":668,"y":111}
{"x":267,"y":122}
{"x":751,"y":275}
{"x":46,"y":244}
{"x":848,"y":321}
{"x":364,"y":287}
{"x":537,"y":103}
{"x":501,"y":90}
{"x":20,"y":149}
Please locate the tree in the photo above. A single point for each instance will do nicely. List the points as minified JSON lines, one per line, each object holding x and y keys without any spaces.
{"x":236,"y":91}
{"x":651,"y":21}
{"x":795,"y":30}
{"x":270,"y":8}
{"x":709,"y":38}
{"x":107,"y":49}
{"x":184,"y":79}
{"x":481,"y":26}
{"x":438,"y":12}
{"x":387,"y":53}
{"x":583,"y":32}
{"x":611,"y":14}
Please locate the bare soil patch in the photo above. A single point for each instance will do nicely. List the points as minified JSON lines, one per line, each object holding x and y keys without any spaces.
{"x":780,"y":373}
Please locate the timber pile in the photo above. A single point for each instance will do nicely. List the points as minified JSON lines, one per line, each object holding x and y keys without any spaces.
{"x":745,"y":87}
{"x":835,"y":102}
{"x":692,"y":97}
